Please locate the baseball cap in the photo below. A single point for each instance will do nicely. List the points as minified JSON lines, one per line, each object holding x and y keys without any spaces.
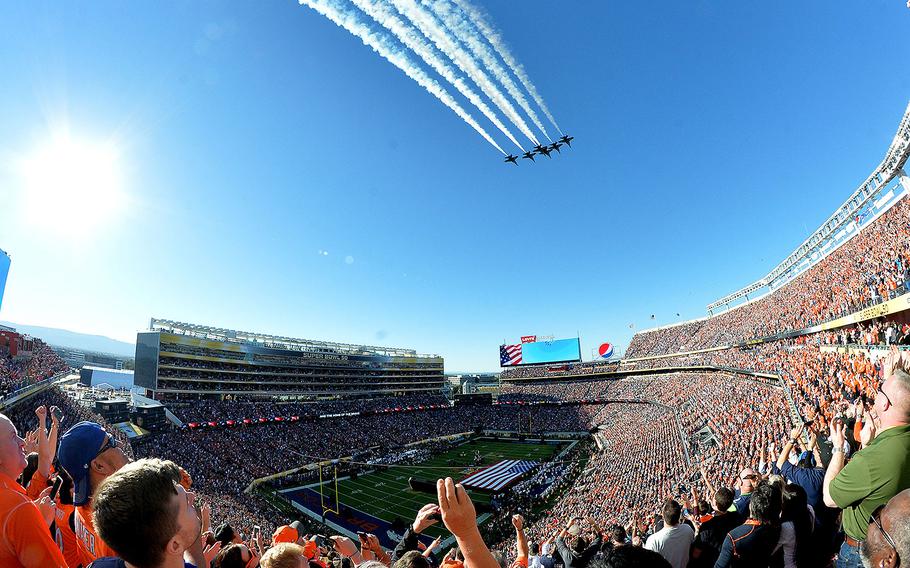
{"x":78,"y":447}
{"x":285,"y":533}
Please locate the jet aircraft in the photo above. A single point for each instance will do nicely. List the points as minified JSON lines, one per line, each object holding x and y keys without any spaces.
{"x":567,"y":140}
{"x":528,"y":155}
{"x":513,"y":159}
{"x":555,"y":146}
{"x":545,"y":150}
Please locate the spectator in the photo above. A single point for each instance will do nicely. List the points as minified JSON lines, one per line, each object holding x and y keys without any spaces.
{"x":795,"y":543}
{"x":146,"y":516}
{"x":89,"y":455}
{"x":713,"y":532}
{"x":580,"y":553}
{"x":674,"y":539}
{"x":752,"y":543}
{"x":284,"y":555}
{"x":888,"y":541}
{"x":521,"y":560}
{"x":25,"y":540}
{"x":807,"y":473}
{"x":631,"y":557}
{"x":877,"y":472}
{"x":748,"y":479}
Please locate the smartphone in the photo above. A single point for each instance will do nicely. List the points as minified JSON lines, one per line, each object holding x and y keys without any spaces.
{"x":320,"y":540}
{"x":58,"y":414}
{"x":421,"y":485}
{"x":361,"y":534}
{"x":56,"y":489}
{"x":257,"y":532}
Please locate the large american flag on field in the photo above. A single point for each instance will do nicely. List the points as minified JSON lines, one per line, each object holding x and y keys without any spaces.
{"x":509,"y":355}
{"x":499,"y":475}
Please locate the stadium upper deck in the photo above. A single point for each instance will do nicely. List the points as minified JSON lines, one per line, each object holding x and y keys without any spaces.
{"x":180,"y":360}
{"x":858,"y":259}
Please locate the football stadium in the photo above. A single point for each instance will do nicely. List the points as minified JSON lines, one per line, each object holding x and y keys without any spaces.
{"x":766,"y":425}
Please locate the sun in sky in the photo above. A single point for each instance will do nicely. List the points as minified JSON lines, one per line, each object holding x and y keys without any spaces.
{"x":71,"y":181}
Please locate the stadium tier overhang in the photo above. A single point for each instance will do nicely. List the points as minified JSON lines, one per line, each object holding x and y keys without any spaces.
{"x":872,"y":191}
{"x":274,"y":341}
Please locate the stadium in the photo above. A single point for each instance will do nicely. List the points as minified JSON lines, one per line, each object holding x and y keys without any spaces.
{"x":771,"y":431}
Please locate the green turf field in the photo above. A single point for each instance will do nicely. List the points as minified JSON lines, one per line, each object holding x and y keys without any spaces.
{"x":386,"y":495}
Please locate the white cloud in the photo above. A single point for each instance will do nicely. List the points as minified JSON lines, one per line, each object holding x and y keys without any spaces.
{"x":349,"y":259}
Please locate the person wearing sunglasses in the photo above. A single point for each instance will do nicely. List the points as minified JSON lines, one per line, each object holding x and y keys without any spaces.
{"x":89,"y":454}
{"x":888,"y":535}
{"x":880,"y":470}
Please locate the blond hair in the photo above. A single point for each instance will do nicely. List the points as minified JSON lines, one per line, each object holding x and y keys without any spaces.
{"x":283,"y":555}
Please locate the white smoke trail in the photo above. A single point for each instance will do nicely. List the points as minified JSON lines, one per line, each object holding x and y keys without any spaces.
{"x":499,"y":45}
{"x":396,"y":57}
{"x":411,"y":38}
{"x":436,"y":33}
{"x":456,"y":21}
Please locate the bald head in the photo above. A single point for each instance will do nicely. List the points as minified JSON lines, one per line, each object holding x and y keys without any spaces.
{"x":895,"y":520}
{"x":901,"y":383}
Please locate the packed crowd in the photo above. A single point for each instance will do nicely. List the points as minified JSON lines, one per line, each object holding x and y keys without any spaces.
{"x":687,"y":449}
{"x":306,"y":377}
{"x":20,"y":372}
{"x":872,"y":267}
{"x":561,"y":370}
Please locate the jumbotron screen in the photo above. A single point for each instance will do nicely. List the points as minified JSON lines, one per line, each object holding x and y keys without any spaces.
{"x":4,"y":270}
{"x":540,"y":352}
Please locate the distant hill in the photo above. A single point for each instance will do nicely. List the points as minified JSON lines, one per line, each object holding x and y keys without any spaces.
{"x":81,"y":341}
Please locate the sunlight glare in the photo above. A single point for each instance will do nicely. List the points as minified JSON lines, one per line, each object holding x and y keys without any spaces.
{"x":72,"y":180}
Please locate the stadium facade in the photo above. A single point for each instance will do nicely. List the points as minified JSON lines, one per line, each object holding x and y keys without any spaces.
{"x":182,"y":361}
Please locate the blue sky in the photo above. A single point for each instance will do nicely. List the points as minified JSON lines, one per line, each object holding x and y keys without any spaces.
{"x":250,"y":136}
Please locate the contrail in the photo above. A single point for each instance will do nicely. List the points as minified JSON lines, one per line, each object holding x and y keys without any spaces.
{"x":396,"y":57}
{"x":499,"y":45}
{"x":436,"y":33}
{"x":455,"y":20}
{"x":412,"y":39}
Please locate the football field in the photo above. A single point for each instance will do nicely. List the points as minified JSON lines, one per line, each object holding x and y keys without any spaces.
{"x":381,"y":502}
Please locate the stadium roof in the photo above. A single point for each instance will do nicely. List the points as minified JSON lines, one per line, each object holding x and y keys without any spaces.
{"x":280,"y":342}
{"x":890,"y":167}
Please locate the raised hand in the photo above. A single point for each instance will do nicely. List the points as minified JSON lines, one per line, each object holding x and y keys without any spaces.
{"x":518,"y":522}
{"x":426,"y":517}
{"x":211,"y":552}
{"x":344,"y":545}
{"x":46,"y":506}
{"x":457,"y":510}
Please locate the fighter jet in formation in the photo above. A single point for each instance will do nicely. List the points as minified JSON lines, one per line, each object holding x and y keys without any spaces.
{"x":543,"y":150}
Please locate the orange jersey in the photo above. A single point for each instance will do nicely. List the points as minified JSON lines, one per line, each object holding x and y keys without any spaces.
{"x":66,"y":537}
{"x":25,"y":541}
{"x":90,"y":543}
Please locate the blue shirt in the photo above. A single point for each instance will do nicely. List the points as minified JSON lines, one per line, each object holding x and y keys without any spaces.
{"x":810,"y":479}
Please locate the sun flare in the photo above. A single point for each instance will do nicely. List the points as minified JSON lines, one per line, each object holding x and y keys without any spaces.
{"x":71,"y":180}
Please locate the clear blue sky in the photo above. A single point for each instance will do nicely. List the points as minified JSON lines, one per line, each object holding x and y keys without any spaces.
{"x":250,"y":136}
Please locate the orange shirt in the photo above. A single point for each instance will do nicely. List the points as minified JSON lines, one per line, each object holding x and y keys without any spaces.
{"x":90,"y":543}
{"x":66,"y":538}
{"x":25,"y":541}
